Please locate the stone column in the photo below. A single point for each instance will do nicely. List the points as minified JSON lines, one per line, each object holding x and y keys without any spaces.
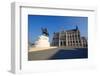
{"x":59,"y":39}
{"x":66,"y":39}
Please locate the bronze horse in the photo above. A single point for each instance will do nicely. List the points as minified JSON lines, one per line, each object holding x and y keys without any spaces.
{"x":45,"y":31}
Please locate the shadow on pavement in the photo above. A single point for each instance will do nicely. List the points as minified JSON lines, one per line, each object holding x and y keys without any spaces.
{"x":71,"y":54}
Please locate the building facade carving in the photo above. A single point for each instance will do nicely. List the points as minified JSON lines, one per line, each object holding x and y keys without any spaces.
{"x":69,"y":38}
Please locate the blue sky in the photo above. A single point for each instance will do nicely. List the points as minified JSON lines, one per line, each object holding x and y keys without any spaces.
{"x":55,"y":24}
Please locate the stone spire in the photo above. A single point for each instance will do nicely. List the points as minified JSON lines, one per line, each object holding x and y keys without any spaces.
{"x":76,"y":27}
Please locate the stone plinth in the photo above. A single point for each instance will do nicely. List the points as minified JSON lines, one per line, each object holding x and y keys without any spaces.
{"x":42,"y":41}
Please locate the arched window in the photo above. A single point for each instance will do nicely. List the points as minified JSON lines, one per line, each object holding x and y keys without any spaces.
{"x":61,"y":43}
{"x":64,"y":43}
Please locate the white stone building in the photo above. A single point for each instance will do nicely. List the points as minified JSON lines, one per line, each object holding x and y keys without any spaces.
{"x":69,"y":38}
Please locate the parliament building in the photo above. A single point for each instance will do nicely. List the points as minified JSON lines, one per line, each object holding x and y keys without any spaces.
{"x":69,"y":38}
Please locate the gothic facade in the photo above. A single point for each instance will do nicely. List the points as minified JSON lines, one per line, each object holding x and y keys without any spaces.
{"x":69,"y":38}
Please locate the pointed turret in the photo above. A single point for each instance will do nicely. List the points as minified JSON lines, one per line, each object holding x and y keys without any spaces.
{"x":76,"y":27}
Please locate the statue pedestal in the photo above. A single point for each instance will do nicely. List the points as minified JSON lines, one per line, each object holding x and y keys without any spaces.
{"x":42,"y":41}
